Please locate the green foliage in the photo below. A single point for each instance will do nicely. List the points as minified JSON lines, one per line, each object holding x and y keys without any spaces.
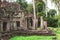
{"x":58,"y":18}
{"x":57,"y":2}
{"x":40,"y":8}
{"x":52,"y":13}
{"x":40,"y":14}
{"x":52,"y":22}
{"x":23,"y":4}
{"x":30,"y":8}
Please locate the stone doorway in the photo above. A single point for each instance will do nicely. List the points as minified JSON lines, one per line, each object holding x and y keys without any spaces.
{"x":18,"y":24}
{"x":4,"y":26}
{"x":29,"y":23}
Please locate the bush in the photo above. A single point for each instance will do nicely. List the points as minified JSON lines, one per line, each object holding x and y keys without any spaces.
{"x":52,"y":22}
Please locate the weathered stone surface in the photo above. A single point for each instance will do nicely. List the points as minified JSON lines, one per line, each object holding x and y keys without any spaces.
{"x":44,"y":30}
{"x":8,"y":26}
{"x":23,"y":29}
{"x":42,"y":23}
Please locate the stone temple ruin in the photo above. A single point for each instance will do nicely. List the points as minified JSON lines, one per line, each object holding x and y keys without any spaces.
{"x":16,"y":19}
{"x":19,"y":23}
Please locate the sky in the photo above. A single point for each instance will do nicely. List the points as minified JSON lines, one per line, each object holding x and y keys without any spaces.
{"x":50,"y":5}
{"x":29,"y":1}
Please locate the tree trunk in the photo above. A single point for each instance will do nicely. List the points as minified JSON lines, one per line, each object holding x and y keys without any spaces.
{"x":34,"y":10}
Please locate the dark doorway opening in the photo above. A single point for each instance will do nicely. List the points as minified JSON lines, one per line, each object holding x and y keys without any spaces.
{"x":31,"y":22}
{"x":18,"y":23}
{"x":4,"y":26}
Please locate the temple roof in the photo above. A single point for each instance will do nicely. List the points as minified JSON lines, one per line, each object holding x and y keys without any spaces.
{"x":8,"y":9}
{"x":12,"y":6}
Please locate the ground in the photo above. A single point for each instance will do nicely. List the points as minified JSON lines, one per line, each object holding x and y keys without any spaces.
{"x":55,"y":30}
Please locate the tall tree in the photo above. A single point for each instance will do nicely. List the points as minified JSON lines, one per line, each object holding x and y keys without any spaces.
{"x":34,"y":11}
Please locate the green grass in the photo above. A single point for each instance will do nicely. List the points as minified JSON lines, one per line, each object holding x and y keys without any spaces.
{"x":32,"y":38}
{"x":56,"y":30}
{"x":58,"y":36}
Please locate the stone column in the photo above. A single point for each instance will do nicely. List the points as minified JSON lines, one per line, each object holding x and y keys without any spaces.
{"x":15,"y":27}
{"x":45,"y":24}
{"x":12,"y":25}
{"x":8,"y":26}
{"x":42,"y":23}
{"x":1,"y":26}
{"x":23,"y":23}
{"x":21,"y":26}
{"x":36,"y":24}
{"x":33,"y":25}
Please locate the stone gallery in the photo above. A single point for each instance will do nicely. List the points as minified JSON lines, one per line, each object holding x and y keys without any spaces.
{"x":20,"y":19}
